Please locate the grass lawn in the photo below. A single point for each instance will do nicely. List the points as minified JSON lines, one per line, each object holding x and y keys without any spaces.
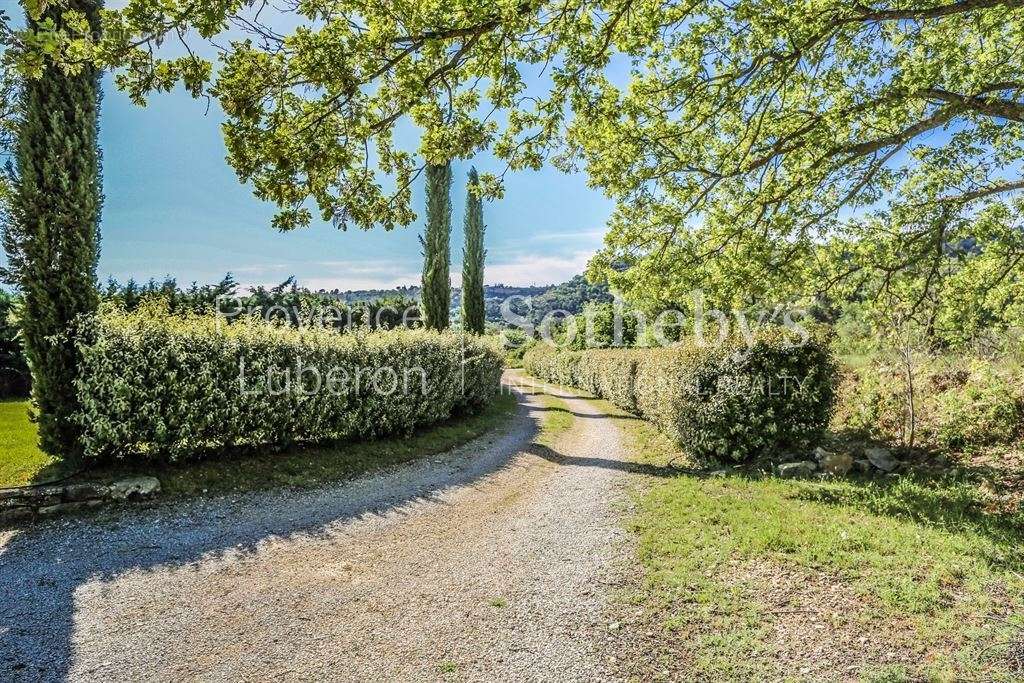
{"x":906,"y":578}
{"x":299,"y":467}
{"x":21,"y":461}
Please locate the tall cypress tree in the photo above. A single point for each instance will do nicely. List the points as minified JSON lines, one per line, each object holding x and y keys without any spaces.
{"x":52,"y":232}
{"x":473,"y":262}
{"x":437,"y":288}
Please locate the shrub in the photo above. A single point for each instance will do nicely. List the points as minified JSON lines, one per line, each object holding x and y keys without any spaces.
{"x":595,"y":327}
{"x":516,"y":343}
{"x":171,"y":386}
{"x":986,"y":411}
{"x":730,"y":402}
{"x":960,"y":403}
{"x":872,"y":403}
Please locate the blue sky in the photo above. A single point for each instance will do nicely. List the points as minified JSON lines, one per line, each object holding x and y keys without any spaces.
{"x":174,"y":207}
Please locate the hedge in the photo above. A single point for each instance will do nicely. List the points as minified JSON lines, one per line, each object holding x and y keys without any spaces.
{"x":732,"y":402}
{"x":171,"y":386}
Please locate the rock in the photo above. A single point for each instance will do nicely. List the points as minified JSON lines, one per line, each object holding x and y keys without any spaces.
{"x":12,"y":502}
{"x":791,"y":470}
{"x":836,"y":463}
{"x":134,"y":488}
{"x":820,"y":454}
{"x":720,"y":473}
{"x":14,"y":494}
{"x":32,"y":496}
{"x":881,"y":458}
{"x":863,"y":465}
{"x":77,"y":492}
{"x":15,"y":514}
{"x":64,"y":508}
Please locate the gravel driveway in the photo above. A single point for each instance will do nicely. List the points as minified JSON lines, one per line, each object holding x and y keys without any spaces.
{"x":492,"y":562}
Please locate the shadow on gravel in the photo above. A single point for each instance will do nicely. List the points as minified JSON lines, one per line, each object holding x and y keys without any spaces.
{"x":43,"y":566}
{"x":619,"y":465}
{"x":588,"y":416}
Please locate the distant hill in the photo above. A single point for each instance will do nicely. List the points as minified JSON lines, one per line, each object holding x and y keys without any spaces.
{"x":568,"y":296}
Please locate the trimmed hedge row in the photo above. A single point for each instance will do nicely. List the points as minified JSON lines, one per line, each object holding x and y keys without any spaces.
{"x":173,"y":386}
{"x":731,"y":402}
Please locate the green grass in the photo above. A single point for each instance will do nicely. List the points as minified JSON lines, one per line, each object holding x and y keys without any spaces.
{"x":920,"y":555}
{"x":21,"y":461}
{"x":557,"y":415}
{"x":297,"y":468}
{"x":558,"y":419}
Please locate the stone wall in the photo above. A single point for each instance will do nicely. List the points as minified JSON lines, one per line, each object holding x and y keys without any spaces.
{"x":33,"y":502}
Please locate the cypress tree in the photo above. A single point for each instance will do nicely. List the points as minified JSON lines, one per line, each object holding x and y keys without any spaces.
{"x":52,"y":232}
{"x":473,"y":262}
{"x":437,"y":288}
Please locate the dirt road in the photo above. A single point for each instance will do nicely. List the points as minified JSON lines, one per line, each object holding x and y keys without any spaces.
{"x":491,"y":562}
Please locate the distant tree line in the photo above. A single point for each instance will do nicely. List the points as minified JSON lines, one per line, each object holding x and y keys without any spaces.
{"x":285,"y":303}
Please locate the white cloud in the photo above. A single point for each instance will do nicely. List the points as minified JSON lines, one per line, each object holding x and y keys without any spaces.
{"x":535,"y":269}
{"x":262,"y":268}
{"x":382,"y":266}
{"x":595,"y":236}
{"x":344,"y":282}
{"x":355,"y":274}
{"x":516,"y":268}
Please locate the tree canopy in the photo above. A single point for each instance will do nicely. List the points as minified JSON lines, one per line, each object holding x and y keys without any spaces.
{"x":739,"y":139}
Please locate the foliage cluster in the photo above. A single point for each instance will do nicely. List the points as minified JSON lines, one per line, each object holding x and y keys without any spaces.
{"x":719,"y":118}
{"x":286,"y":303}
{"x":730,"y":402}
{"x":570,"y":297}
{"x":516,"y":343}
{"x":14,"y":375}
{"x":595,"y":327}
{"x":734,"y":146}
{"x":171,"y":386}
{"x":956,"y":403}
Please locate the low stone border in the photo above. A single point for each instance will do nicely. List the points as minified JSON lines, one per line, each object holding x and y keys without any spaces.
{"x":33,"y":502}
